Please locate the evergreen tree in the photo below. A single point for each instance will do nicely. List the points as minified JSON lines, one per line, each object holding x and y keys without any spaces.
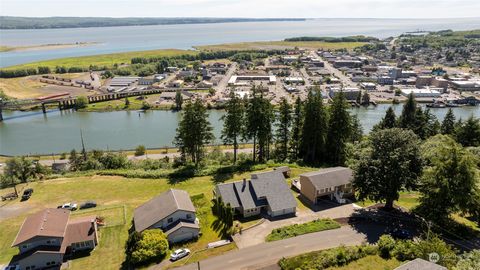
{"x":297,"y":123}
{"x":366,"y":99}
{"x":432,"y":125}
{"x":194,"y":132}
{"x":357,"y":130}
{"x":233,"y":122}
{"x":314,"y":131}
{"x":127,"y":102}
{"x":178,"y":100}
{"x":259,"y":119}
{"x":339,"y":130}
{"x":390,"y":163}
{"x":359,"y":97}
{"x":283,"y":129}
{"x":388,"y":121}
{"x":468,"y":132}
{"x":408,"y":117}
{"x":448,"y":124}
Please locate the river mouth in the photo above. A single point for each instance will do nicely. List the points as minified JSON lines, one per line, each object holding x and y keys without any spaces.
{"x":34,"y":133}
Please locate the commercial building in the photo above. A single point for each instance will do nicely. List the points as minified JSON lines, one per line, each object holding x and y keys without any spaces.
{"x":347,"y":63}
{"x":173,"y":212}
{"x":265,"y":192}
{"x":421,"y":93}
{"x":236,"y":80}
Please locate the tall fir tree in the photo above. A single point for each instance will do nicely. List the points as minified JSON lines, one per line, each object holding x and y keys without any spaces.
{"x":357,"y":130}
{"x":233,"y":123}
{"x":468,"y":132}
{"x":283,"y":134}
{"x":314,"y":131}
{"x":408,"y":117}
{"x":297,"y":124}
{"x":339,"y":130}
{"x":448,"y":123}
{"x":194,"y":132}
{"x":178,"y":100}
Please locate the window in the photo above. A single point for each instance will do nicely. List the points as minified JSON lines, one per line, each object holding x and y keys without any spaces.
{"x":189,"y":216}
{"x":48,"y":241}
{"x":170,"y":220}
{"x":48,"y":263}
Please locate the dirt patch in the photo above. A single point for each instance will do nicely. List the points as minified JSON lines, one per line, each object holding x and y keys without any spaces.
{"x":10,"y":210}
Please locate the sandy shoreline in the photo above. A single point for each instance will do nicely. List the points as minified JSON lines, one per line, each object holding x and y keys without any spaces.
{"x":45,"y":47}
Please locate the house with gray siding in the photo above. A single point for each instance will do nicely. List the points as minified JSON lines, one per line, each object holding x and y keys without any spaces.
{"x":265,"y":192}
{"x":172,"y":212}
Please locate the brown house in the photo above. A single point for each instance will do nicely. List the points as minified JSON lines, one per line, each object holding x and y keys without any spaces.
{"x":46,"y":237}
{"x":330,"y":183}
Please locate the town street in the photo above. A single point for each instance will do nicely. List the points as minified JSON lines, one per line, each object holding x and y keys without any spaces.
{"x":269,"y":253}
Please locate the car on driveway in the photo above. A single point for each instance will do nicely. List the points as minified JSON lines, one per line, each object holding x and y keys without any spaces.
{"x":399,"y":233}
{"x":179,"y":253}
{"x":27,"y":193}
{"x":69,"y":206}
{"x":88,"y":204}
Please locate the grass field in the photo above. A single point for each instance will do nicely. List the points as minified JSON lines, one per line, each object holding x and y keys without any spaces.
{"x":269,"y":45}
{"x":407,"y":200}
{"x":103,"y":59}
{"x":304,"y":228}
{"x":112,"y":193}
{"x":373,"y":262}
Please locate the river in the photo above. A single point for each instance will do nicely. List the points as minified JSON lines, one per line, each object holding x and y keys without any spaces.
{"x":136,"y":38}
{"x":59,"y":131}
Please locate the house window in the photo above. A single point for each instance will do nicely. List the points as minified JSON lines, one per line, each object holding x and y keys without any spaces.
{"x":48,"y":263}
{"x":52,"y":263}
{"x":189,"y":216}
{"x":322,"y":190}
{"x":170,"y":220}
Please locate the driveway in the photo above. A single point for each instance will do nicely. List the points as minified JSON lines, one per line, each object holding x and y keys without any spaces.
{"x":257,"y":234}
{"x":267,"y":254}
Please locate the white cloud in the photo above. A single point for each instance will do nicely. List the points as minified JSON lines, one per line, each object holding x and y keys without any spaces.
{"x":244,"y":8}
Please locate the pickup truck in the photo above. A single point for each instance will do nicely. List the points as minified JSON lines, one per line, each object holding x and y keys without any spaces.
{"x":27,"y":193}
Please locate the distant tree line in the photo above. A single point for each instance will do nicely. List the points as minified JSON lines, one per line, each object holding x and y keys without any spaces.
{"x":334,"y":39}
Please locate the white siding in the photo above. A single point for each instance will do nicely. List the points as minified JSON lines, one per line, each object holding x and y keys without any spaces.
{"x":179,"y":215}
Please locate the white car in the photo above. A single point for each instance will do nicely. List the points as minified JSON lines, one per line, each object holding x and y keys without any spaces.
{"x":179,"y":253}
{"x":69,"y":206}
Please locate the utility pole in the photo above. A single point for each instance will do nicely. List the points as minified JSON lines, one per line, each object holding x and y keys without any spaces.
{"x":198,"y":265}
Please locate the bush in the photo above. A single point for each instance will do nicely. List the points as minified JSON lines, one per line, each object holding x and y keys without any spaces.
{"x":140,"y":151}
{"x":114,"y":161}
{"x":81,"y":102}
{"x":404,"y":250}
{"x":149,"y":246}
{"x":385,"y":246}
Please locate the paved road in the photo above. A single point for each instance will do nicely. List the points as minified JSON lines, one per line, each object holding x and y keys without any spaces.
{"x":266,"y":254}
{"x":223,"y":84}
{"x":343,"y":78}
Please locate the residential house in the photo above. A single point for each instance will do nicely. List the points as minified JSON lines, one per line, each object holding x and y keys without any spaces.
{"x":173,"y":212}
{"x":420,"y":264}
{"x":331,"y":183}
{"x":265,"y":192}
{"x":47,"y":237}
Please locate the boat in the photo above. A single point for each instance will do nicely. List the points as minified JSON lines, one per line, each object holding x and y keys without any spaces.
{"x":453,"y":105}
{"x":436,"y":104}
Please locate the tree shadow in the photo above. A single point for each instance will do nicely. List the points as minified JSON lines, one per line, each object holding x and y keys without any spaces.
{"x":225,"y":173}
{"x":182,"y":174}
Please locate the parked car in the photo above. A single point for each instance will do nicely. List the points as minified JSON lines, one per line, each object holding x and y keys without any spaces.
{"x":69,"y":206}
{"x":179,"y":253}
{"x":401,"y":233}
{"x":88,"y":204}
{"x":27,"y":193}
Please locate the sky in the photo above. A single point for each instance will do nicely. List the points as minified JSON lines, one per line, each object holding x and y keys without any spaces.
{"x":244,"y":8}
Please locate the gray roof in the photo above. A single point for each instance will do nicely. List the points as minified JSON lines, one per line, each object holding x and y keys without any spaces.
{"x":329,"y":177}
{"x":420,"y":264}
{"x":264,"y":188}
{"x":161,"y":207}
{"x":183,"y":225}
{"x":273,"y":187}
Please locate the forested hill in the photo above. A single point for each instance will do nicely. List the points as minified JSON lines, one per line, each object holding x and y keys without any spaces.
{"x":8,"y":22}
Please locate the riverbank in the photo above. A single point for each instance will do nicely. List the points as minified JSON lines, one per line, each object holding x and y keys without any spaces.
{"x":281,"y":45}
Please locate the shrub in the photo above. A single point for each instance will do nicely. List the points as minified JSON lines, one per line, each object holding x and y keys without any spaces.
{"x":81,"y":102}
{"x":151,"y":245}
{"x":140,"y":150}
{"x":404,"y":250}
{"x":385,"y":246}
{"x":114,"y":161}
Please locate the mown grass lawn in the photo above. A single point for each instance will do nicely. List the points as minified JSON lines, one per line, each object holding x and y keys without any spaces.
{"x":304,"y":228}
{"x":407,"y":200}
{"x":112,"y":192}
{"x":372,"y":262}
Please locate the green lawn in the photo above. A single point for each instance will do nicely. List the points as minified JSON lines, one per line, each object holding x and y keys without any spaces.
{"x":407,"y":200}
{"x":103,"y":59}
{"x":299,"y":229}
{"x":372,"y":262}
{"x":111,"y":195}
